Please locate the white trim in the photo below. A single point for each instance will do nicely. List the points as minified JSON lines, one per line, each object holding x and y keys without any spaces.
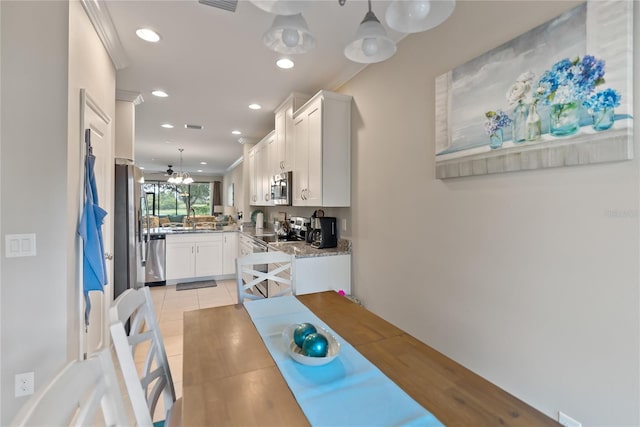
{"x":101,"y":19}
{"x":234,"y":164}
{"x":130,"y":96}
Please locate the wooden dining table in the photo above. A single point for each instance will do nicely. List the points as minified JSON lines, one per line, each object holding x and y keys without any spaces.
{"x":230,"y":379}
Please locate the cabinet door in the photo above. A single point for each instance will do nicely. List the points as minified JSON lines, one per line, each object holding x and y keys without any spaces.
{"x":180,"y":261}
{"x":229,"y":253}
{"x":301,"y":159}
{"x":209,"y":258}
{"x":252,"y":178}
{"x":313,"y":195}
{"x":270,"y":161}
{"x":280,"y":149}
{"x":259,"y":154}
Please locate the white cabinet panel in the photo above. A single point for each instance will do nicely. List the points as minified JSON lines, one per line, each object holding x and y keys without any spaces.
{"x":322,"y":151}
{"x":229,"y":253}
{"x":194,"y":255}
{"x":180,"y":260}
{"x":326,"y":273}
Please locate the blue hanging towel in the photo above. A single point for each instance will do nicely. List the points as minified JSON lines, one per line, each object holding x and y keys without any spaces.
{"x":94,"y":268}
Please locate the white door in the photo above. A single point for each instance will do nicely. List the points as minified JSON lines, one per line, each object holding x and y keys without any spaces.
{"x":93,"y":118}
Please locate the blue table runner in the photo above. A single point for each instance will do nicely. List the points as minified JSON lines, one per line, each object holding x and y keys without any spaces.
{"x":349,"y":391}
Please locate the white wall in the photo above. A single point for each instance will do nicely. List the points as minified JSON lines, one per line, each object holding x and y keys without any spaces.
{"x":526,"y":278}
{"x":58,"y":53}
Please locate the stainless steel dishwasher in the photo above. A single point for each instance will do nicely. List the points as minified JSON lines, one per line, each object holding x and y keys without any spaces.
{"x":155,"y":269}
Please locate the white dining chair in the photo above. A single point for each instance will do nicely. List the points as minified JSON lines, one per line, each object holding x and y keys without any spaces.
{"x":79,"y":395}
{"x":263,"y":275}
{"x":134,"y":308}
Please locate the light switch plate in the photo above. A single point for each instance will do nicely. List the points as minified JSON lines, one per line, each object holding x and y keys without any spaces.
{"x":18,"y":245}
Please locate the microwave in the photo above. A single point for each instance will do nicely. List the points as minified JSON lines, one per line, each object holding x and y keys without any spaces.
{"x":282,"y":189}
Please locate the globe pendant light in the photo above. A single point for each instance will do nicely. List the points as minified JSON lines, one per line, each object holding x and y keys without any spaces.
{"x":371,"y":44}
{"x":289,"y":34}
{"x":281,"y":7}
{"x":414,"y":16}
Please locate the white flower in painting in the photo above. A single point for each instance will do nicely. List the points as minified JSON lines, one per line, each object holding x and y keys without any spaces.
{"x":517,"y":92}
{"x":520,"y":91}
{"x":526,"y":77}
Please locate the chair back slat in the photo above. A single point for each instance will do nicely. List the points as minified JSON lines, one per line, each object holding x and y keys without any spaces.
{"x":145,"y":388}
{"x":82,"y":391}
{"x":264,"y":275}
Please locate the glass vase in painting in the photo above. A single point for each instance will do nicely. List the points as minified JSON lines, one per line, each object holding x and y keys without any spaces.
{"x":534,"y":124}
{"x":495,"y":139}
{"x":519,"y":123}
{"x":603,"y":119}
{"x":565,"y":119}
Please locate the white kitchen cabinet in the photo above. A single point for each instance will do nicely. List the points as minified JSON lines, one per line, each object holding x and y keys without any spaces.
{"x":253,"y":189}
{"x":284,"y":137}
{"x":260,"y":171}
{"x":325,"y":273}
{"x":322,"y":151}
{"x":190,"y":256}
{"x":229,"y":252}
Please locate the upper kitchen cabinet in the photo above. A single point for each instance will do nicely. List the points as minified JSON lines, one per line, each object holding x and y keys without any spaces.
{"x":322,"y":151}
{"x":283,"y":152}
{"x":260,"y":171}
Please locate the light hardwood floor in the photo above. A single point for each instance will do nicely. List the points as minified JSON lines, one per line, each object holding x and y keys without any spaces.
{"x":170,"y":305}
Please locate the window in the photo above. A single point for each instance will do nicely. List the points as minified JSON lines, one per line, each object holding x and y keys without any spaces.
{"x":169,"y":199}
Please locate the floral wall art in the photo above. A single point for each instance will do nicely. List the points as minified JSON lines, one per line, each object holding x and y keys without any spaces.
{"x":558,"y":95}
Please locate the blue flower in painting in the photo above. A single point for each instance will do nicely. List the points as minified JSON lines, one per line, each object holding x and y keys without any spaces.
{"x":604,"y":100}
{"x":496,"y":120}
{"x":570,"y":81}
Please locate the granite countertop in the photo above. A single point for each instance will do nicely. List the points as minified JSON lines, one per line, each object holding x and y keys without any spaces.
{"x":305,"y":250}
{"x":298,"y":249}
{"x":189,"y":230}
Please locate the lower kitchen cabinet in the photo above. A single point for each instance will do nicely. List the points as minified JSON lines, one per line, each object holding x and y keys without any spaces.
{"x":229,"y":253}
{"x":191,"y":256}
{"x":325,"y":273}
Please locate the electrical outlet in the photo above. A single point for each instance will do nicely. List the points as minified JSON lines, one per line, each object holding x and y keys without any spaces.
{"x":567,"y":421}
{"x":344,"y":224}
{"x":24,"y":384}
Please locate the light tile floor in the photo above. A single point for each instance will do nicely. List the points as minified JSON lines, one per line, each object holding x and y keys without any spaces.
{"x":170,"y":306}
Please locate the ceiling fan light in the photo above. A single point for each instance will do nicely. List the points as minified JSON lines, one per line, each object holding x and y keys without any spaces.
{"x":281,"y":7}
{"x":289,"y":35}
{"x":371,"y":43}
{"x":414,"y":16}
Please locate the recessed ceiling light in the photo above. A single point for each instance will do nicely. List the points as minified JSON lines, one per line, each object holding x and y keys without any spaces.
{"x":236,"y":132}
{"x":167,"y":125}
{"x":199,"y":170}
{"x":203,"y":163}
{"x":255,"y":106}
{"x":167,"y":142}
{"x":141,"y":168}
{"x":285,"y":63}
{"x":147,"y":35}
{"x":159,"y":93}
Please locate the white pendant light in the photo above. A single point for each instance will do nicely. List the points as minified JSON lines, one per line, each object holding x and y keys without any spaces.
{"x":281,"y":7}
{"x":414,"y":16}
{"x":289,"y":35}
{"x":371,"y":44}
{"x":180,"y":177}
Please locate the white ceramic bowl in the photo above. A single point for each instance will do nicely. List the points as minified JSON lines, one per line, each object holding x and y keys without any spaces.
{"x":296,"y":352}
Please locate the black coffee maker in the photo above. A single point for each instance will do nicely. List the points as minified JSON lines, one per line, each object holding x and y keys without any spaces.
{"x":324,"y":233}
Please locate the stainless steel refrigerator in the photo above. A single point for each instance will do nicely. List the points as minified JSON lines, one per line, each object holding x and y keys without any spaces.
{"x":130,"y":240}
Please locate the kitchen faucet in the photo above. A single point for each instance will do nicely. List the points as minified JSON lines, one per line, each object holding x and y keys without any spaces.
{"x":193,"y":218}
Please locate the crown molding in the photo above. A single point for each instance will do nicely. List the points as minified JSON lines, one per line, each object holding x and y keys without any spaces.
{"x":99,"y":16}
{"x":130,"y":96}
{"x":234,"y":164}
